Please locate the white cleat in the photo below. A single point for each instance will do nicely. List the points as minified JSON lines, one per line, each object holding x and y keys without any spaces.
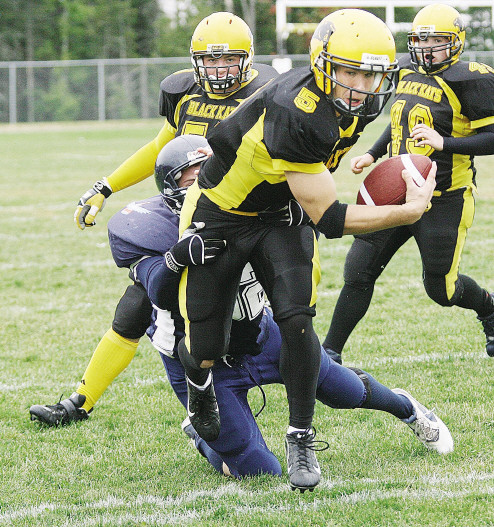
{"x":427,"y":426}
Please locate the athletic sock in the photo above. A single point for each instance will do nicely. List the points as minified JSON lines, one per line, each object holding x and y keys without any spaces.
{"x":202,"y":387}
{"x":379,"y":397}
{"x":292,"y":430}
{"x":112,"y":355}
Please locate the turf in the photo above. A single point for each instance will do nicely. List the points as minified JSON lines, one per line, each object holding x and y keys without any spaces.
{"x":130,"y":464}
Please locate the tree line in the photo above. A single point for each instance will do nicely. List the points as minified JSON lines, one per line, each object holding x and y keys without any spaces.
{"x":83,"y":29}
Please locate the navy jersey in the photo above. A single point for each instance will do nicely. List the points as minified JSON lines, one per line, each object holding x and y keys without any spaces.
{"x":190,"y":110}
{"x":142,"y":232}
{"x":142,"y":228}
{"x":454,"y":102}
{"x":288,"y":125}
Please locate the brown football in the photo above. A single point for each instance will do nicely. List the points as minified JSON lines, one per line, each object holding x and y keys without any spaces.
{"x":384,"y":184}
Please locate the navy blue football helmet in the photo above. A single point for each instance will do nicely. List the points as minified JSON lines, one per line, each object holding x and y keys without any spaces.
{"x":177,"y":155}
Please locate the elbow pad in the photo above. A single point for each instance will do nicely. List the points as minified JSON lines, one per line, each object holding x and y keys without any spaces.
{"x":332,"y":221}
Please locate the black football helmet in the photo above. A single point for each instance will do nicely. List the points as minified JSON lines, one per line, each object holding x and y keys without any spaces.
{"x":177,"y":155}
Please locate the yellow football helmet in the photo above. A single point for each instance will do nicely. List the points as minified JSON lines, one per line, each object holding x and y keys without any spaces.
{"x":359,"y":40}
{"x":217,"y":35}
{"x":436,"y":20}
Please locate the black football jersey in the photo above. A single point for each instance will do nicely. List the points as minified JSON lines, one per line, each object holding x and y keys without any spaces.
{"x":454,"y":102}
{"x":189,"y":110}
{"x":288,"y":125}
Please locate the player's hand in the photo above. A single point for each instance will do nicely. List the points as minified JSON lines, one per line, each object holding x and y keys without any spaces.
{"x":291,"y":215}
{"x":418,"y":198}
{"x":193,"y":248}
{"x":426,"y":136}
{"x":357,"y":164}
{"x":91,"y":203}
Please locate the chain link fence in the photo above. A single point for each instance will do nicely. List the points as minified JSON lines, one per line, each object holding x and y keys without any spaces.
{"x":100,"y":89}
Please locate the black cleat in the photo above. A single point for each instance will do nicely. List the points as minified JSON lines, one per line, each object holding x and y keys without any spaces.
{"x":64,"y":412}
{"x":488,"y":324}
{"x":303,"y":468}
{"x":203,"y":412}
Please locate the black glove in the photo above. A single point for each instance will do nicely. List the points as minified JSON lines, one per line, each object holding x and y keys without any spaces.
{"x":291,"y":215}
{"x":193,"y":249}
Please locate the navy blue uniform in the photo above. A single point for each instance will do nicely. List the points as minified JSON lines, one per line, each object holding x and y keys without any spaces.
{"x":142,"y":232}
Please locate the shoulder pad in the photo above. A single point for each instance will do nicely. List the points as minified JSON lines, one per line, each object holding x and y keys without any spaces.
{"x":178,"y":82}
{"x":468,"y":71}
{"x":265,"y":69}
{"x":405,"y":63}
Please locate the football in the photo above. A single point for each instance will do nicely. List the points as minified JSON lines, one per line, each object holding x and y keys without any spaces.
{"x":384,"y":184}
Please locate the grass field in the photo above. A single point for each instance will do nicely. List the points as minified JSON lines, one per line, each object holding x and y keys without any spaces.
{"x":130,"y":464}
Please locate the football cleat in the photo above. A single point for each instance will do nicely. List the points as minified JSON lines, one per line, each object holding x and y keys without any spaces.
{"x":190,"y":432}
{"x":203,"y":412}
{"x":188,"y":429}
{"x":64,"y":412}
{"x":302,"y":465}
{"x":428,"y":428}
{"x":488,"y":324}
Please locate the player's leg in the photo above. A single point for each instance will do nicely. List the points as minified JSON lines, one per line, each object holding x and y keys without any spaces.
{"x":240,"y":445}
{"x":113,"y":354}
{"x":286,"y":263}
{"x":207,"y":300}
{"x":366,"y":260}
{"x":176,"y":375}
{"x":441,"y":236}
{"x":207,"y":296}
{"x":341,"y":387}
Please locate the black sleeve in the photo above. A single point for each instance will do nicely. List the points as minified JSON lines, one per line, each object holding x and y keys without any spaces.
{"x":480,"y":144}
{"x":380,"y":147}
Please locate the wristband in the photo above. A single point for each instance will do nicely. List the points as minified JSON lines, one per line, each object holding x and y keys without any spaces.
{"x":332,"y":221}
{"x":172,"y":264}
{"x":103,"y":188}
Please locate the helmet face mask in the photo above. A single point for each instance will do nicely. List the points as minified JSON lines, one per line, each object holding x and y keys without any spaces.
{"x":353,"y":39}
{"x":175,"y":157}
{"x":221,"y":79}
{"x":380,"y":89}
{"x":436,"y":21}
{"x":218,"y":36}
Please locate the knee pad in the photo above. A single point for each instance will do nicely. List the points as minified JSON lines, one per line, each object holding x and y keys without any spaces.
{"x":435,"y":287}
{"x":358,"y":271}
{"x":296,"y":324}
{"x":188,"y":361}
{"x":367,"y":385}
{"x":133,"y":313}
{"x":254,"y":463}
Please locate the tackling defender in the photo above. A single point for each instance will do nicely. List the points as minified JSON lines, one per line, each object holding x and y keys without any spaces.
{"x":444,"y":109}
{"x":240,"y":450}
{"x":192,"y":102}
{"x":276,"y":147}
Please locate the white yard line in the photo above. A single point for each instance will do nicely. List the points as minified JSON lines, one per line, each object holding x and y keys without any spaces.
{"x":437,"y":489}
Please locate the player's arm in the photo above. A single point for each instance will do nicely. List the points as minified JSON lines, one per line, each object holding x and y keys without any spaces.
{"x":160,"y":275}
{"x":136,"y":168}
{"x":479,"y":144}
{"x":378,"y":149}
{"x":317,"y":195}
